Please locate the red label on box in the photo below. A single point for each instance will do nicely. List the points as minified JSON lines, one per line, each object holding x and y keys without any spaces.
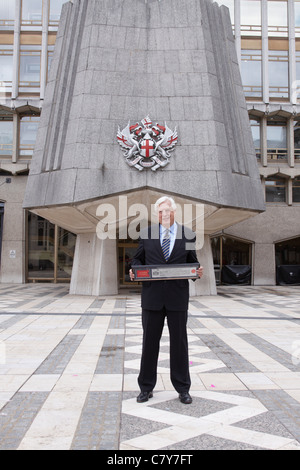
{"x":143,"y":273}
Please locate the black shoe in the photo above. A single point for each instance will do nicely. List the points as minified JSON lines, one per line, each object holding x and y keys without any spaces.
{"x":185,"y":398}
{"x":144,"y":396}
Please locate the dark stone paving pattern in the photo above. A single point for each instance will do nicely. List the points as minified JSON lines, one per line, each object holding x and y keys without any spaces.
{"x":103,"y":422}
{"x":17,"y":416}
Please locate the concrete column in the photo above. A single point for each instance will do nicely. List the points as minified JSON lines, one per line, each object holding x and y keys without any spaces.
{"x":16,"y":128}
{"x":263,"y":141}
{"x":289,"y":198}
{"x":292,"y":52}
{"x":207,"y":284}
{"x":265,"y":50}
{"x":264,"y":273}
{"x":13,"y":237}
{"x":16,"y":52}
{"x":95,"y":266}
{"x":290,"y":142}
{"x":44,"y":55}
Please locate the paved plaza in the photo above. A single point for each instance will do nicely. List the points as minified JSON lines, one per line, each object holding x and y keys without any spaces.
{"x":69,"y":365}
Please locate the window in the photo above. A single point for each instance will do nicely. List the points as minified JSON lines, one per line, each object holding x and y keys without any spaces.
{"x":287,"y":254}
{"x":297,"y":141}
{"x":276,"y":140}
{"x":31,"y":14}
{"x":251,"y":17}
{"x":297,"y":84}
{"x":6,"y":68}
{"x":65,"y":242}
{"x":126,"y":251}
{"x":30,"y":65}
{"x":7,"y":13}
{"x":50,"y":251}
{"x":297,"y":18}
{"x":277,"y":18}
{"x":232,"y":260}
{"x":251,"y":73}
{"x":296,"y":189}
{"x":40,"y":248}
{"x":28,"y":131}
{"x":55,"y":10}
{"x":6,"y":138}
{"x":278,"y":74}
{"x":275,"y":189}
{"x":298,"y":65}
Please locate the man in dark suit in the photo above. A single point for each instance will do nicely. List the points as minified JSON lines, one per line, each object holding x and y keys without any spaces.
{"x":165,"y":243}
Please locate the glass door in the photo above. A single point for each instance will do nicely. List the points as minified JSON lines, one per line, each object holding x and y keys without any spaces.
{"x":40,"y":240}
{"x":126,"y":251}
{"x":65,"y":242}
{"x":232,"y":260}
{"x":50,"y":251}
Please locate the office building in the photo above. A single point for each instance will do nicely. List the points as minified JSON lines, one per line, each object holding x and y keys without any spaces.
{"x":261,"y":250}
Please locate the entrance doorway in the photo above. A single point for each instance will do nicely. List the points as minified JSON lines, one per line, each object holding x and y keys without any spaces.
{"x":126,"y":251}
{"x":232,"y":260}
{"x":287,"y":254}
{"x":49,"y":251}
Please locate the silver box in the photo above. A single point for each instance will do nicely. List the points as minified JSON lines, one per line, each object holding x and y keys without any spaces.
{"x":165,"y":272}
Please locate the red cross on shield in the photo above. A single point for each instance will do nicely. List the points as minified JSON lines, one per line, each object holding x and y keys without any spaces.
{"x":147,"y":148}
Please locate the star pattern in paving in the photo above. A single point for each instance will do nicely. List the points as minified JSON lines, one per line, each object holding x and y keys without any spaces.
{"x":222,"y":423}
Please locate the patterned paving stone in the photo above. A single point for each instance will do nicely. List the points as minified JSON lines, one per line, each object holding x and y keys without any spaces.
{"x":95,"y":430}
{"x":69,"y":366}
{"x":16,"y":417}
{"x":59,"y":358}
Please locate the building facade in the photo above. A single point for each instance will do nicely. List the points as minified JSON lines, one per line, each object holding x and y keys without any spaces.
{"x":266,"y":247}
{"x":32,"y":249}
{"x":267,"y":38}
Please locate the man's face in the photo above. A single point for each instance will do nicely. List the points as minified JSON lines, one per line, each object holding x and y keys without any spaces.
{"x":166,"y":214}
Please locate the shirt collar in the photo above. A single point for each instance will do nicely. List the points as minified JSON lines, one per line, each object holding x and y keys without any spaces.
{"x":172,"y":228}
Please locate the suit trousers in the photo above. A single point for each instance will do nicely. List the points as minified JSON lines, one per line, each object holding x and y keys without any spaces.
{"x":153,"y":323}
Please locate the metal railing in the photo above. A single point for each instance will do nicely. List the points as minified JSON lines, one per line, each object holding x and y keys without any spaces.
{"x":275,"y":154}
{"x":297,"y":154}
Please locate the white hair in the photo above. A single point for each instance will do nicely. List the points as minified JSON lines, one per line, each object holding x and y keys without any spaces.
{"x":165,"y":199}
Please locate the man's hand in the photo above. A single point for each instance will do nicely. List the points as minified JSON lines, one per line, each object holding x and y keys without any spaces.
{"x":200,"y":271}
{"x":131,"y":275}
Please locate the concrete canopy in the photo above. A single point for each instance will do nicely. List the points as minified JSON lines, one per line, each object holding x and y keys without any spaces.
{"x":117,"y":61}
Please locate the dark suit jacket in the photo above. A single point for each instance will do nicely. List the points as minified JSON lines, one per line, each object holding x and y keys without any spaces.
{"x":173,"y":294}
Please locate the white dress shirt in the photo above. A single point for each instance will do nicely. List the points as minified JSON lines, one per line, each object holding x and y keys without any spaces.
{"x":173,"y":233}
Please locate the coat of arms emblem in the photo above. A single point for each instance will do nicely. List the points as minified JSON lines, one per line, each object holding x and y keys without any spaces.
{"x":147,"y":145}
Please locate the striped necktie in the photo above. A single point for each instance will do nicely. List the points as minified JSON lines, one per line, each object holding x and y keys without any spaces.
{"x":166,"y":244}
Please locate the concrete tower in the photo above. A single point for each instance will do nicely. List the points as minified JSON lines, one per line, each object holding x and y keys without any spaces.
{"x":118,"y":63}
